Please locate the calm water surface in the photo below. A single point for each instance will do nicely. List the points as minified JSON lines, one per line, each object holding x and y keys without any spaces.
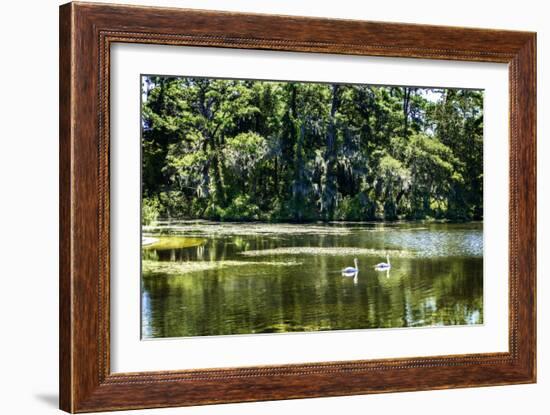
{"x":217,"y":279}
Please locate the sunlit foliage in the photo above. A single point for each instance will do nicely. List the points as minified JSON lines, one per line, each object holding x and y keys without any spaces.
{"x":242,"y":150}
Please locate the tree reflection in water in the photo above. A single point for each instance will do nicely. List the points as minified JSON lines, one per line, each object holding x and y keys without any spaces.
{"x":211,"y":288}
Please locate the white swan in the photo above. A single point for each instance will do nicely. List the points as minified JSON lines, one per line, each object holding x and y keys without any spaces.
{"x":383,"y":266}
{"x":351,"y":271}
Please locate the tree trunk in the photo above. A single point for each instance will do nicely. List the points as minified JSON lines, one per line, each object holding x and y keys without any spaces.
{"x":406,"y":107}
{"x":329,"y":194}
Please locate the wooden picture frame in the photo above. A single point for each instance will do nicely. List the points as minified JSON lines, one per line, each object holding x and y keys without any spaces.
{"x":86,"y":33}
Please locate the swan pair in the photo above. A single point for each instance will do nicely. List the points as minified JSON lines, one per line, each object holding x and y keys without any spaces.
{"x":353,"y":271}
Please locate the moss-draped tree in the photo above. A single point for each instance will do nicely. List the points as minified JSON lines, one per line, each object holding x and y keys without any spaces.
{"x":291,"y":151}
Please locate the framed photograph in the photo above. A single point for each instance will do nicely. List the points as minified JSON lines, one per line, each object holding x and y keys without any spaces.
{"x":258,"y":207}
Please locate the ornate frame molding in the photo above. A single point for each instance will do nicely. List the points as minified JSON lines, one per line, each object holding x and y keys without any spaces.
{"x":86,"y":33}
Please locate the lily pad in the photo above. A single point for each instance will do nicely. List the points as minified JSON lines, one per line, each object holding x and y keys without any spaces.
{"x":173,"y":242}
{"x":332,"y":251}
{"x":162,"y":267}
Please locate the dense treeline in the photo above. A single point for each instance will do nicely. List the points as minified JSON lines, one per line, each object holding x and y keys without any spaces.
{"x":292,"y":151}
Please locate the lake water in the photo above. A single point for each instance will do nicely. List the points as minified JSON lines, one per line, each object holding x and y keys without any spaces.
{"x":217,"y":279}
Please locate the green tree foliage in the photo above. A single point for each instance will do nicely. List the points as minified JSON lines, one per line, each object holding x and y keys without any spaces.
{"x":291,"y":151}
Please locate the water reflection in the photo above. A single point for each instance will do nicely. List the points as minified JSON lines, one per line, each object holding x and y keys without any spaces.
{"x":438,"y":280}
